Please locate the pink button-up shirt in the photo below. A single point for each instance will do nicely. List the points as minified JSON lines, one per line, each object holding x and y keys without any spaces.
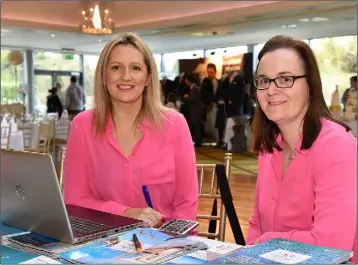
{"x":100,"y":177}
{"x":316,"y":201}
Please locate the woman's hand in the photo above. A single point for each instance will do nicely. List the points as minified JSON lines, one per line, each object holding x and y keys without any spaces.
{"x":150,"y":217}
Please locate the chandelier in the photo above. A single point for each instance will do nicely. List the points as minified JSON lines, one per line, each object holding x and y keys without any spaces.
{"x":96,"y":17}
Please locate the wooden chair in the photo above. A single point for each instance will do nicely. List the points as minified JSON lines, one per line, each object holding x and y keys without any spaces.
{"x":16,"y":109}
{"x":61,"y":168}
{"x":5,"y":136}
{"x":210,"y":193}
{"x":43,"y":139}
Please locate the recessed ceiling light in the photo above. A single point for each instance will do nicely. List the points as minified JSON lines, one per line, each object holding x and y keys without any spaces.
{"x":315,"y":19}
{"x":292,"y":26}
{"x":284,"y":26}
{"x":99,"y":40}
{"x":53,"y":35}
{"x":319,"y":19}
{"x":197,"y":34}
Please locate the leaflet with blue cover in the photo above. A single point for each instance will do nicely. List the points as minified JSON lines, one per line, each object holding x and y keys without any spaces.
{"x":7,"y":231}
{"x":282,"y":251}
{"x":121,"y":249}
{"x":15,"y":256}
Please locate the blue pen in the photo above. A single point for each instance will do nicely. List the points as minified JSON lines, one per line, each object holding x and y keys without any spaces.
{"x":146,"y":196}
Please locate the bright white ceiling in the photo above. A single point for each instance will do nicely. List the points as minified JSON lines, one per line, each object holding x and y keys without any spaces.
{"x":168,"y":25}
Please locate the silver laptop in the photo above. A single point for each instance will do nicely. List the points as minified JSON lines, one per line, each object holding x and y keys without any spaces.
{"x":31,"y":200}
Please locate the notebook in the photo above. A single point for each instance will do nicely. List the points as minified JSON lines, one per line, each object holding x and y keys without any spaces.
{"x":282,"y":251}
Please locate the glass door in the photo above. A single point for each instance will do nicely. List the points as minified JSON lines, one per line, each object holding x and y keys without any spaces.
{"x":42,"y":84}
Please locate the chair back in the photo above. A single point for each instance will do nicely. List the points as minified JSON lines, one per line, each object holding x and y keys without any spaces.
{"x":62,"y":163}
{"x":209,"y":192}
{"x":44,"y":137}
{"x":5,"y":136}
{"x":16,"y":109}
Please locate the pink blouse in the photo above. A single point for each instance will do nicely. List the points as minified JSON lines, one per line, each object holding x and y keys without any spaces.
{"x":316,"y":201}
{"x":100,"y":177}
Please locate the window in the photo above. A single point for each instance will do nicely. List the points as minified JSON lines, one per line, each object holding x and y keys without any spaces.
{"x":255,"y":54}
{"x":90,"y":64}
{"x":337,"y":61}
{"x":158,"y":61}
{"x":9,"y":82}
{"x":56,"y":61}
{"x":171,"y":60}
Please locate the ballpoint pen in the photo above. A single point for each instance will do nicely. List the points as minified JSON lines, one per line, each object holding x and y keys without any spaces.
{"x":146,"y":196}
{"x":137,"y":244}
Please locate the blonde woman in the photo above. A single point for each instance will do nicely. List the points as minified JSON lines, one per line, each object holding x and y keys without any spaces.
{"x":129,"y":139}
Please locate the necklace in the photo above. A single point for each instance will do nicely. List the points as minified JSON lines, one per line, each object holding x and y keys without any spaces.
{"x":291,"y":155}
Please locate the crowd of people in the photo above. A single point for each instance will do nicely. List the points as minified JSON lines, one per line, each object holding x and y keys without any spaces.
{"x":206,"y":101}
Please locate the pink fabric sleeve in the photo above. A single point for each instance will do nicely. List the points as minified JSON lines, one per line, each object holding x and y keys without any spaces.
{"x":254,"y":222}
{"x":77,"y":190}
{"x":186,"y":197}
{"x":335,"y":214}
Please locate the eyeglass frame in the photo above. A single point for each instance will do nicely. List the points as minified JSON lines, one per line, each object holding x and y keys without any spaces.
{"x":294,"y":78}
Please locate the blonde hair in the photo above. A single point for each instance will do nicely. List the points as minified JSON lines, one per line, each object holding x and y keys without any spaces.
{"x":152,"y":107}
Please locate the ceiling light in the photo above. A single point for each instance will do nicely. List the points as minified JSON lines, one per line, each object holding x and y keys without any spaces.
{"x":96,"y":18}
{"x":5,"y":30}
{"x":292,"y":26}
{"x":197,"y":34}
{"x":99,"y":40}
{"x":319,"y":19}
{"x":315,"y":19}
{"x":53,"y":35}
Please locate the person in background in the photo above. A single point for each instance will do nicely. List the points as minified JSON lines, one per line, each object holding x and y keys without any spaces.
{"x":209,"y":88}
{"x":306,"y":189}
{"x":353,"y":81}
{"x":75,"y":98}
{"x":195,"y":108}
{"x":129,"y":139}
{"x":61,"y":94}
{"x":54,"y":103}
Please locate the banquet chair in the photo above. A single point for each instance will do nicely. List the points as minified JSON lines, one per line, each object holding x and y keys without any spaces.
{"x":61,"y":169}
{"x":5,"y":136}
{"x":208,"y":193}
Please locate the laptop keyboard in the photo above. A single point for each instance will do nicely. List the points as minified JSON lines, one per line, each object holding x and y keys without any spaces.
{"x":85,"y":227}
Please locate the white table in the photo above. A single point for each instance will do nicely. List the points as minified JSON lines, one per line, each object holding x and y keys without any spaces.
{"x":16,"y":141}
{"x":229,"y":133}
{"x":353,"y":125}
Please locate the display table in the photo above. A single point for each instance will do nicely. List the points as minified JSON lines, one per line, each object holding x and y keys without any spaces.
{"x":17,"y":141}
{"x":353,"y":125}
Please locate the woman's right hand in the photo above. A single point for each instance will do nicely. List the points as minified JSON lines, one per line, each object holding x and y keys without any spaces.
{"x":150,"y":217}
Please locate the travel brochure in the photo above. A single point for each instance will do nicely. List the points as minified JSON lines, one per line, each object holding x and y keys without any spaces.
{"x":150,"y":246}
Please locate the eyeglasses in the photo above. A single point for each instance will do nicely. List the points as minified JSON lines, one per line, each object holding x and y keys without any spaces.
{"x":282,"y":81}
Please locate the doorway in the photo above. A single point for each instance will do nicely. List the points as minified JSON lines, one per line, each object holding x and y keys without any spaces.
{"x":44,"y":80}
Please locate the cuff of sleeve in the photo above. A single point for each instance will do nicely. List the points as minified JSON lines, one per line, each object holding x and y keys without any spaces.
{"x":114,"y":208}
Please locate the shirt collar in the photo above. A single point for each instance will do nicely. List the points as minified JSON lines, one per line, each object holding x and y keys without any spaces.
{"x":110,"y":125}
{"x":279,"y":141}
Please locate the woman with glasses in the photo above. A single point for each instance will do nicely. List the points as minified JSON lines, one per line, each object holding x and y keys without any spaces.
{"x":307,"y":170}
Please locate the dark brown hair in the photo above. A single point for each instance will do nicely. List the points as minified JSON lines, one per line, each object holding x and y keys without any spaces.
{"x":212,"y":66}
{"x":265,"y":131}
